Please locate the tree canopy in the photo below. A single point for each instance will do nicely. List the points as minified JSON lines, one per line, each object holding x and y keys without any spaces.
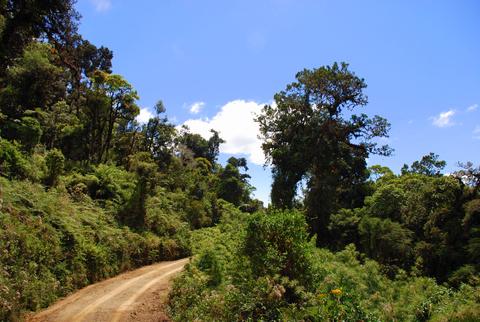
{"x":311,"y":134}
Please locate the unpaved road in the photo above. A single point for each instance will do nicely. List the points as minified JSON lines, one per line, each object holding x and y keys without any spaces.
{"x":133,"y":296}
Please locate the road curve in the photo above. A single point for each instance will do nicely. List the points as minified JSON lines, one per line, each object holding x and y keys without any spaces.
{"x":132,"y":296}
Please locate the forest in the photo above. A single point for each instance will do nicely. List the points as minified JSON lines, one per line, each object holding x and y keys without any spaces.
{"x":88,"y":192}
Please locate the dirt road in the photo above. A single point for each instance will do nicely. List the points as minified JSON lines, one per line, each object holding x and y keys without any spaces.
{"x":134,"y":296}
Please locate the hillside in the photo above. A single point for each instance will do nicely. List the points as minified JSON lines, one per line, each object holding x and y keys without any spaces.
{"x":89,"y":190}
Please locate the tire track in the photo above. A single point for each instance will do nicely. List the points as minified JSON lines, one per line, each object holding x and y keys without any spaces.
{"x":113,"y":299}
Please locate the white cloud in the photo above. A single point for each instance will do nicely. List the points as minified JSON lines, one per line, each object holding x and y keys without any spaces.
{"x":444,"y":119}
{"x":472,"y":108}
{"x":196,"y":107}
{"x":235,"y":124}
{"x":144,"y":115}
{"x":476,"y":132}
{"x":102,"y":5}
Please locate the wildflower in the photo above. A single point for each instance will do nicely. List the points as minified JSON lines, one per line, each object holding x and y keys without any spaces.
{"x":336,"y":291}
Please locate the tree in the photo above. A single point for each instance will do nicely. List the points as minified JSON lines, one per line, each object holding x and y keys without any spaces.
{"x":28,"y":132}
{"x":306,"y":135}
{"x":60,"y":126}
{"x":233,"y":185}
{"x":135,"y":212}
{"x":13,"y":164}
{"x":378,"y":172}
{"x":429,"y":165}
{"x":386,"y":241}
{"x":158,"y":136}
{"x":469,"y":174}
{"x":214,"y":146}
{"x":55,"y":163}
{"x":111,"y":100}
{"x":200,"y":147}
{"x":33,"y":81}
{"x":81,"y":58}
{"x":24,"y":21}
{"x":418,"y":222}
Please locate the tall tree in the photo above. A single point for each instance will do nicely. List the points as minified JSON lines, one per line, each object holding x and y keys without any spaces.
{"x":135,"y":212}
{"x":311,"y":133}
{"x":158,"y":136}
{"x":200,"y":147}
{"x":112,"y":100}
{"x":429,"y":165}
{"x":26,"y":20}
{"x":81,"y":58}
{"x":233,"y":186}
{"x":33,"y":81}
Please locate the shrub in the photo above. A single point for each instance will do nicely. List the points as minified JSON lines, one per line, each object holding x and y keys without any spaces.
{"x":263,"y":267}
{"x":55,"y":162}
{"x":12,"y":163}
{"x":29,"y":132}
{"x":111,"y":185}
{"x":278,"y":243}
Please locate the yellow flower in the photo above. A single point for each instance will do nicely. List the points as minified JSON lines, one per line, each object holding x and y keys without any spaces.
{"x":336,"y":291}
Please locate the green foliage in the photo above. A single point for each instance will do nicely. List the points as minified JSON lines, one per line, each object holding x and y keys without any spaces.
{"x":429,"y":165}
{"x":135,"y":212}
{"x":158,"y":134}
{"x":233,"y":186}
{"x":466,"y":274}
{"x":198,"y":146}
{"x":26,"y":20}
{"x":386,"y":202}
{"x":307,"y":135}
{"x":210,"y":264}
{"x":117,"y":98}
{"x":344,"y":228}
{"x":2,"y":24}
{"x":378,"y":172}
{"x":55,"y":162}
{"x":423,"y":223}
{"x":34,"y":81}
{"x":12,"y":163}
{"x":59,"y":125}
{"x":110,"y":185}
{"x":28,"y":132}
{"x":223,"y":282}
{"x":123,"y":194}
{"x":386,"y":241}
{"x":278,"y":243}
{"x":51,"y":246}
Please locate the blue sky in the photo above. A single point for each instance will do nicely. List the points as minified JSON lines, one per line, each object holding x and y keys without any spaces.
{"x":214,"y":63}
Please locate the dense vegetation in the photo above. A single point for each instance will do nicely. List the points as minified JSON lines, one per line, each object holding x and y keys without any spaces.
{"x":265,"y":267}
{"x":420,"y":221}
{"x":407,"y":246}
{"x":87,"y":192}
